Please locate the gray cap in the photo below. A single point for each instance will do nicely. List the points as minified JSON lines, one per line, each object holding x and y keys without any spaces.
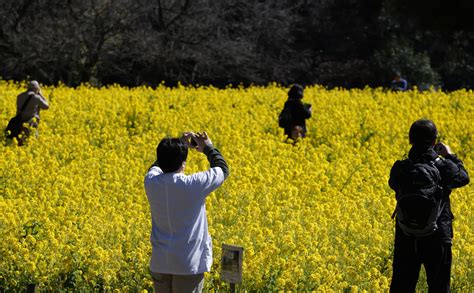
{"x":33,"y":85}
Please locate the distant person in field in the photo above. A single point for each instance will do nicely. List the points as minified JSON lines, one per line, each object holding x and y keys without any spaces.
{"x":27,"y":116}
{"x":37,"y":102}
{"x":294,"y":114}
{"x":399,"y":83}
{"x":181,"y":244}
{"x":424,"y":230}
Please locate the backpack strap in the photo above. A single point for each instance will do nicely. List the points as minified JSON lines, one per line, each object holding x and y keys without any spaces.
{"x":437,"y":161}
{"x":394,"y":212}
{"x":26,"y":102}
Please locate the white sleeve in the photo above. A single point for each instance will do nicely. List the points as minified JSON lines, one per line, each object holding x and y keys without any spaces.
{"x":208,"y":180}
{"x":149,"y":178}
{"x":152,"y":172}
{"x":43,"y":104}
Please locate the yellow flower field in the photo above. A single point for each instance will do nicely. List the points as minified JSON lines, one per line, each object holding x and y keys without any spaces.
{"x":310,"y":216}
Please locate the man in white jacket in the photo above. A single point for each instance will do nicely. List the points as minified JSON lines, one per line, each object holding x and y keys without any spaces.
{"x":181,"y":244}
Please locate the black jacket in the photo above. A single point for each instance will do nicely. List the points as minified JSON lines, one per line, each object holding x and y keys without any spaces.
{"x":453,"y":175}
{"x":216,"y":159}
{"x":299,"y":113}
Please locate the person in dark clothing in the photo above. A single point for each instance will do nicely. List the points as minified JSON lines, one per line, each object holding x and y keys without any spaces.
{"x":399,"y":83}
{"x":37,"y":102}
{"x":433,"y":251}
{"x":299,"y":112}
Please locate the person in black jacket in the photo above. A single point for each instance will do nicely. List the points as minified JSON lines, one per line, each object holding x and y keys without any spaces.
{"x":433,"y":251}
{"x":299,"y":113}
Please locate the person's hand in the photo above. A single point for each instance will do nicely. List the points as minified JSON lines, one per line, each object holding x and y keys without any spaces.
{"x":187,"y":136}
{"x":202,"y":140}
{"x":196,"y":141}
{"x":442,"y":149}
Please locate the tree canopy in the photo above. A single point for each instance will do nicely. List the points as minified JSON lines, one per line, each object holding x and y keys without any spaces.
{"x":337,"y":43}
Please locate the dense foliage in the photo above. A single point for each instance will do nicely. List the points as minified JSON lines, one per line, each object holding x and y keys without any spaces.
{"x":314,"y":215}
{"x":348,"y":43}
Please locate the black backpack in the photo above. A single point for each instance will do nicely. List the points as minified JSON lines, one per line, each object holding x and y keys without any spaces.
{"x":15,"y":127}
{"x":285,"y":118}
{"x":419,"y":198}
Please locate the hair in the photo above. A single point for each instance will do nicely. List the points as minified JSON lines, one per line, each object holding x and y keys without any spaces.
{"x":423,"y":133}
{"x":295,"y":92}
{"x":171,"y":153}
{"x":33,"y":85}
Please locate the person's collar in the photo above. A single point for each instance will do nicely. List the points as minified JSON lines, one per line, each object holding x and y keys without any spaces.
{"x":422,"y":153}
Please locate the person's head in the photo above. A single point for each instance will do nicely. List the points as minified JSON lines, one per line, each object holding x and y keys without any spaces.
{"x":171,"y":154}
{"x":33,"y":86}
{"x":397,"y":75}
{"x":423,"y":133}
{"x":295,"y":92}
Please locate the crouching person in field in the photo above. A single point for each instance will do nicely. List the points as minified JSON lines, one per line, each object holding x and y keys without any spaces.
{"x":29,"y":104}
{"x":27,"y":115}
{"x":181,"y":244}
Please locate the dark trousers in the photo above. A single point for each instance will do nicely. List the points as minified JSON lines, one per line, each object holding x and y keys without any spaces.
{"x":166,"y":283}
{"x":410,"y":253}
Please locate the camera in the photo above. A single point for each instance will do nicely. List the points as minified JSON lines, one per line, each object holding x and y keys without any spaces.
{"x":193,"y":142}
